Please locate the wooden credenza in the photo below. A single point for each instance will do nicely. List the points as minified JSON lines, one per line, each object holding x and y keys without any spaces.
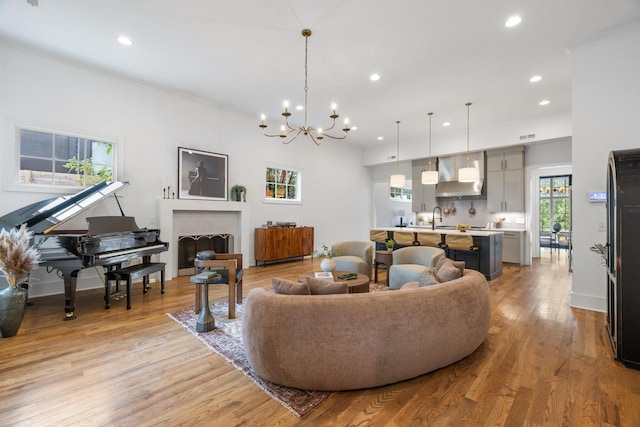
{"x":278,"y":244}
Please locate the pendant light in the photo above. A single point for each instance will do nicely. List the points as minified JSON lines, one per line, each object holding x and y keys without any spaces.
{"x":398,"y":179}
{"x":430,"y":177}
{"x":468,"y":174}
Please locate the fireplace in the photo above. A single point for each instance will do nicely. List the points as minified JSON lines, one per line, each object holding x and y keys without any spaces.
{"x":189,"y":246}
{"x":180,"y":217}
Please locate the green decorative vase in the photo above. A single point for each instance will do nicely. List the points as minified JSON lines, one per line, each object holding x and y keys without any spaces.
{"x":13,"y":303}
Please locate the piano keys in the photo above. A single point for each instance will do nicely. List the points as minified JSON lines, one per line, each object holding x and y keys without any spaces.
{"x":108,"y":242}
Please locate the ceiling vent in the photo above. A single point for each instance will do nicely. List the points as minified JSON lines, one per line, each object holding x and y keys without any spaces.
{"x":525,"y":137}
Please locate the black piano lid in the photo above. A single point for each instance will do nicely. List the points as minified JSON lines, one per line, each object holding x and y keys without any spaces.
{"x":44,"y":216}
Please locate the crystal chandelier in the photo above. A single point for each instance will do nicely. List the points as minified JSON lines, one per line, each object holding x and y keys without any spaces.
{"x":316,"y":134}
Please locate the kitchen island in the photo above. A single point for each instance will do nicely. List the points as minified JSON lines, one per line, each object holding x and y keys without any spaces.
{"x":489,"y":243}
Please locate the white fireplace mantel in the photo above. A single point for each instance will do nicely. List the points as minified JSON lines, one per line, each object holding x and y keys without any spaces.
{"x":169,"y":209}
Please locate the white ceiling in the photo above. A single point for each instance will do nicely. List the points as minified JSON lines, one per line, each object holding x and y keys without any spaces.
{"x":248,"y":55}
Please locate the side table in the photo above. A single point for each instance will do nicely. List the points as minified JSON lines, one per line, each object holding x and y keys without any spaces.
{"x":382,"y":257}
{"x":205,"y":322}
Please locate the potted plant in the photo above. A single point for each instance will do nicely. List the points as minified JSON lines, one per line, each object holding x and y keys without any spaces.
{"x":390,"y":244}
{"x":17,"y":258}
{"x":327,"y":254}
{"x":601,"y":250}
{"x":238,"y":193}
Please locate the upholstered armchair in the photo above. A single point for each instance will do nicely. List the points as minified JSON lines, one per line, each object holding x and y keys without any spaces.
{"x":354,"y":257}
{"x":410,"y":262}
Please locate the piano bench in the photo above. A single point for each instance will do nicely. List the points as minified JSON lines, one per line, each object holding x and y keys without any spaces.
{"x":130,"y":274}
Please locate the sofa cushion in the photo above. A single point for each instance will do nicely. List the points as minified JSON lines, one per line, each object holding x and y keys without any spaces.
{"x":427,"y":278}
{"x":324,"y":287}
{"x":447,"y":272}
{"x":289,"y":287}
{"x":443,"y":260}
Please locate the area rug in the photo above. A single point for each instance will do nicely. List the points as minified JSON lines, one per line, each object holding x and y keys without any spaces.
{"x":226,"y":340}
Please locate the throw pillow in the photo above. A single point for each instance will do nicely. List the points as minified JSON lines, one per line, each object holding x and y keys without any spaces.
{"x":448,"y":272}
{"x":427,"y":278}
{"x":443,"y":259}
{"x":324,"y":287}
{"x":288,"y":287}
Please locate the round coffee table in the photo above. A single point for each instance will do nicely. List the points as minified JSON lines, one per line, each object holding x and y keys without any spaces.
{"x":358,"y":285}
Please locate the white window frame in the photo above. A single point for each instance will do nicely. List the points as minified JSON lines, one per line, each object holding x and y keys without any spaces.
{"x":14,"y":179}
{"x":404,"y":192}
{"x":298,"y":199}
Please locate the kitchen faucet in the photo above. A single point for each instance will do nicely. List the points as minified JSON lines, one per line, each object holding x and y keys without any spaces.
{"x":433,"y":217}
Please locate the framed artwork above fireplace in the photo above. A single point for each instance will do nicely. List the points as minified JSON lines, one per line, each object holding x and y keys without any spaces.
{"x":202,"y":175}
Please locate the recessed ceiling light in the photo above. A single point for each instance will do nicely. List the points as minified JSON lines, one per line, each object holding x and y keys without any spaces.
{"x":124,"y":40}
{"x":512,"y":21}
{"x":374,"y":77}
{"x":535,"y":79}
{"x":380,"y":138}
{"x":544,"y":102}
{"x":299,"y":107}
{"x":446,"y":124}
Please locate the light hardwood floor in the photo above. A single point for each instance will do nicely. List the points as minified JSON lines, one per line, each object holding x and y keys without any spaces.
{"x":543,"y":363}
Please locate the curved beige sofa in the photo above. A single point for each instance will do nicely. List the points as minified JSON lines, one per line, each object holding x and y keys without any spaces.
{"x":353,"y":341}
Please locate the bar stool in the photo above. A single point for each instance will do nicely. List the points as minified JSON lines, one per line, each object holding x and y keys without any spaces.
{"x":379,"y":237}
{"x":460,"y":248}
{"x":429,"y":238}
{"x":205,"y":322}
{"x":404,"y":238}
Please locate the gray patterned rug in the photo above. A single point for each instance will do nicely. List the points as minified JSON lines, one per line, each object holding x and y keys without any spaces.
{"x":226,"y":340}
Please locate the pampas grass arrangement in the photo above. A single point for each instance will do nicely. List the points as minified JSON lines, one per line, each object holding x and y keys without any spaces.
{"x":17,"y":256}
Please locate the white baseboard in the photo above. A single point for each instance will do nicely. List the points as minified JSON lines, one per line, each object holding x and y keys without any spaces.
{"x":588,"y":302}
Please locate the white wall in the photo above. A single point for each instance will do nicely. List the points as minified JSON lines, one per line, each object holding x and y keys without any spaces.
{"x":151,"y":123}
{"x":542,"y":159}
{"x":386,"y":211}
{"x":445,"y":142}
{"x":606,"y":114}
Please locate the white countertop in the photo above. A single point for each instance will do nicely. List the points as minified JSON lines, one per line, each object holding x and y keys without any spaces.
{"x":472,"y":232}
{"x":428,"y":227}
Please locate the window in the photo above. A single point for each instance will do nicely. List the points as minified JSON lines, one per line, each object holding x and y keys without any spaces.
{"x":283,"y":184}
{"x":55,"y":159}
{"x":400,"y":194}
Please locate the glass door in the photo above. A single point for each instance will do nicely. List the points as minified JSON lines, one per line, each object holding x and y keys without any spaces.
{"x":555,"y":214}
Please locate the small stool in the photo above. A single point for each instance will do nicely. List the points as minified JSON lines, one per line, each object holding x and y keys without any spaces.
{"x":205,"y":322}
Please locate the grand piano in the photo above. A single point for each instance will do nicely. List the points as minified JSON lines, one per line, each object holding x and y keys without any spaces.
{"x":108,"y":242}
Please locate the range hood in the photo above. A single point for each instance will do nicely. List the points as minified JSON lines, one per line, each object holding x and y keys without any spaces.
{"x":449,"y":186}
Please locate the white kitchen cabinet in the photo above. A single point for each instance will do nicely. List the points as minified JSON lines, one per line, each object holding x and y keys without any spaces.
{"x":423,"y":196}
{"x":505,"y":180}
{"x":513,"y":247}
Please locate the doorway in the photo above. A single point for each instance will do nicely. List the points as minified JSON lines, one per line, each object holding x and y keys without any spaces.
{"x":555,"y":216}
